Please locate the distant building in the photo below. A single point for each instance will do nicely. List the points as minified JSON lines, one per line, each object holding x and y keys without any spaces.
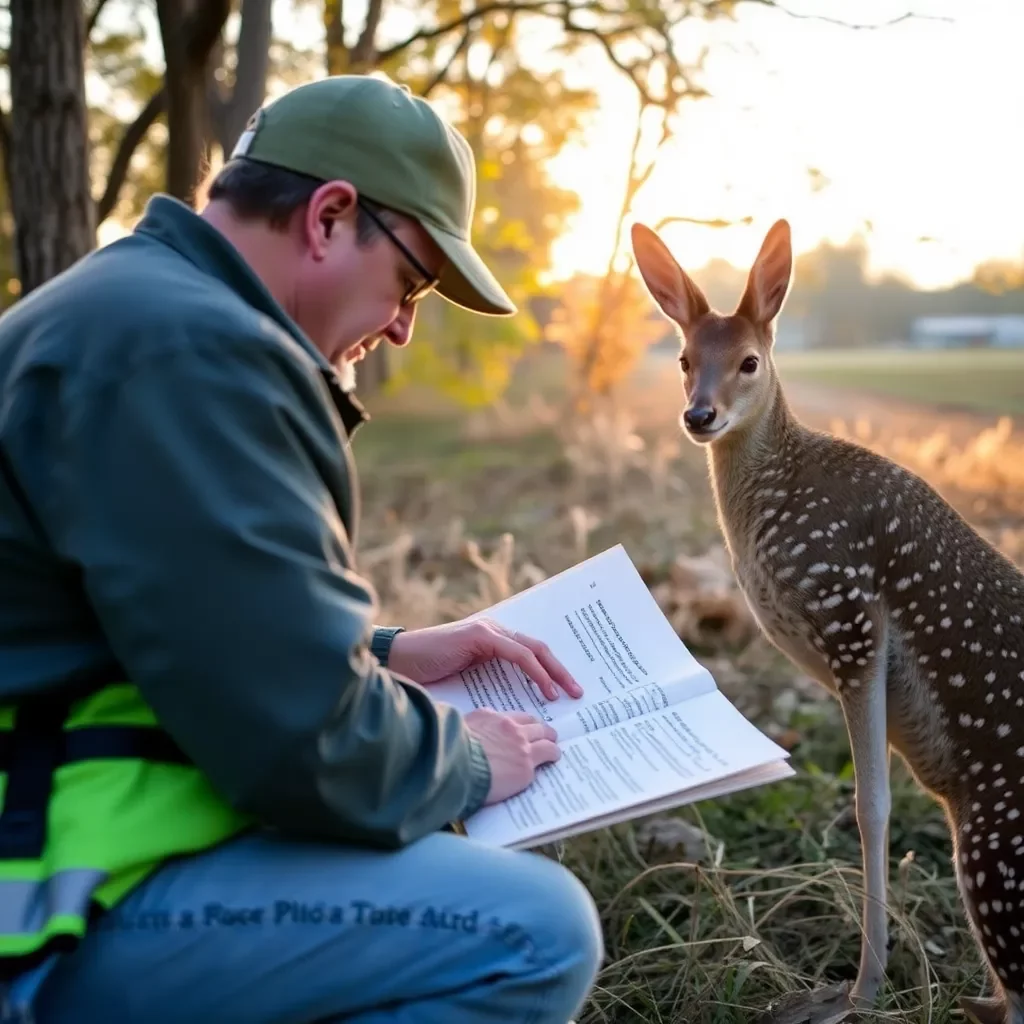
{"x":1005,"y":331}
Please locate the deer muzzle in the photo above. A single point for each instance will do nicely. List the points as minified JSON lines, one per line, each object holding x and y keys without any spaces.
{"x":700,"y":416}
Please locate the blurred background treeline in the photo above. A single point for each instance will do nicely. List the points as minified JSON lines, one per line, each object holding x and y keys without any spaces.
{"x":580,"y":112}
{"x":503,"y":450}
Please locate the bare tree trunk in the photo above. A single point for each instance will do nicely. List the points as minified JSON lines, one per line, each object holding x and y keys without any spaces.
{"x":375,"y":369}
{"x":255,"y":34}
{"x":336,"y":55}
{"x":223,"y":118}
{"x":364,"y":53}
{"x":48,"y":161}
{"x":190,"y":30}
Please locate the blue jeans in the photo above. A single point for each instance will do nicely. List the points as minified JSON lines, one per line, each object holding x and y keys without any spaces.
{"x":264,"y":930}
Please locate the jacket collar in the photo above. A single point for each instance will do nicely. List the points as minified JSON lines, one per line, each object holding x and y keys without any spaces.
{"x":177,"y":225}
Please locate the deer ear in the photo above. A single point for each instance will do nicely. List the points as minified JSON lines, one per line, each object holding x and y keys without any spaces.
{"x":770,"y":277}
{"x":670,"y":286}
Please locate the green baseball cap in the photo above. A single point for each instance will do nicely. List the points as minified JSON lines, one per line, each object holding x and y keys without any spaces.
{"x":396,"y":150}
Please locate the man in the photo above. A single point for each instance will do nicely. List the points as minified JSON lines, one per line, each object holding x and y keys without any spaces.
{"x":226,"y":791}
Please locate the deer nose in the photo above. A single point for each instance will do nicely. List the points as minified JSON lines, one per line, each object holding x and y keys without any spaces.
{"x":699,"y":417}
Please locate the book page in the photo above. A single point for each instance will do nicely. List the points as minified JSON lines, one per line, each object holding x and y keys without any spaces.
{"x":628,"y":766}
{"x":603,"y":624}
{"x":774,"y":771}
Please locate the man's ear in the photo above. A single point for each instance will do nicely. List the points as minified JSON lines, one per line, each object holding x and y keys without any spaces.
{"x":332,"y":203}
{"x":670,"y":286}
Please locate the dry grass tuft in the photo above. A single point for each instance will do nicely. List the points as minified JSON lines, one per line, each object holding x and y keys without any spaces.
{"x":991,"y":462}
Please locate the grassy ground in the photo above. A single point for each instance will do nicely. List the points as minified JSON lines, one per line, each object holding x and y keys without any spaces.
{"x":760,"y":896}
{"x":984,"y":380}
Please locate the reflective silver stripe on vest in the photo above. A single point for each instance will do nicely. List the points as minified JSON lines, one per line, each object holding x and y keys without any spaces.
{"x":26,"y":906}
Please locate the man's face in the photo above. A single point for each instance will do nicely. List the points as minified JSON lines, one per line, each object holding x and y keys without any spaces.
{"x":351,"y":296}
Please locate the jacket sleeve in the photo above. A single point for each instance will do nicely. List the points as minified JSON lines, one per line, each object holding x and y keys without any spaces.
{"x":192,"y":494}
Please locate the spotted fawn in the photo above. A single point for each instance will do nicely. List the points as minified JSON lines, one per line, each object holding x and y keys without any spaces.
{"x":865,"y":578}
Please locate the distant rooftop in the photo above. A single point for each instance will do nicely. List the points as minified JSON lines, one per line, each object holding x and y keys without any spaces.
{"x":1000,"y":329}
{"x":969,"y":324}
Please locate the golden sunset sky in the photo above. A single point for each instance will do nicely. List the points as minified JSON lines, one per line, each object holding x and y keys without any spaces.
{"x":916,"y":128}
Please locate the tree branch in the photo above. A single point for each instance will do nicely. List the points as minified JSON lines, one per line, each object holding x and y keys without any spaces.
{"x":714,"y":222}
{"x":630,"y":70}
{"x":639,"y":180}
{"x":564,"y":12}
{"x":605,"y":294}
{"x":442,"y":74}
{"x":365,"y":48}
{"x":860,"y":27}
{"x":467,"y":19}
{"x":133,"y":136}
{"x":90,"y":23}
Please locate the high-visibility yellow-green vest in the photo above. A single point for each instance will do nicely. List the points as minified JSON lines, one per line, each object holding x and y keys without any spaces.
{"x":95,"y":797}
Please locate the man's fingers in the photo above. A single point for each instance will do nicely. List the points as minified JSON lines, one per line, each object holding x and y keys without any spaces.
{"x":536,"y":659}
{"x":521,"y":717}
{"x":558,"y":672}
{"x":544,"y":752}
{"x":532,"y":727}
{"x":511,"y":650}
{"x":536,"y":731}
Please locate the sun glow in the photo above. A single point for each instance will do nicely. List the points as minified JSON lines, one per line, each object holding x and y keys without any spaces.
{"x":912,"y":130}
{"x":110,"y":231}
{"x":906,"y":134}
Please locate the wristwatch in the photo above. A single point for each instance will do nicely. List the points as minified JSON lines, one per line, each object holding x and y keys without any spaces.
{"x":380,"y":644}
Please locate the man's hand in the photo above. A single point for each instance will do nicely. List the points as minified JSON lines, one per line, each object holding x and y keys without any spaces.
{"x":428,"y":655}
{"x":516,"y":745}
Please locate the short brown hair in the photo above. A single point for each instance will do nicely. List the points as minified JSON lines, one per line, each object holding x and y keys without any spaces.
{"x":259,"y":191}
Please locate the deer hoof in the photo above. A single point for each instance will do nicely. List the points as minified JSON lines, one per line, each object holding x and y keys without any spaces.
{"x":823,"y":1006}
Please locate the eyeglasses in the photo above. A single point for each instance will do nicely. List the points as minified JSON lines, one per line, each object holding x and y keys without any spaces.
{"x":415,"y":292}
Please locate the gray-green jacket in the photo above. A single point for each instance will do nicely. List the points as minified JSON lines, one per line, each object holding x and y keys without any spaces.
{"x":178,"y":508}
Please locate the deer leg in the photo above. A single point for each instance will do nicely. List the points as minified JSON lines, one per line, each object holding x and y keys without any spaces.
{"x":864,"y":708}
{"x":863,"y":699}
{"x":984,"y":1011}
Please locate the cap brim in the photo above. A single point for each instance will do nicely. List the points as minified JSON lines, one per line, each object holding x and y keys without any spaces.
{"x":465,"y":280}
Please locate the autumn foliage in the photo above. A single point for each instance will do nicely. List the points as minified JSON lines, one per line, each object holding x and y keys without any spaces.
{"x":605,"y":326}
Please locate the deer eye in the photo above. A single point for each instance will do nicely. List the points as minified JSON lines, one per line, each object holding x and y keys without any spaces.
{"x":685,"y":364}
{"x":749,"y":365}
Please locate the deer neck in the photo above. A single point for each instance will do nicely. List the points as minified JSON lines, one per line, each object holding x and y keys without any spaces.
{"x":747,"y":462}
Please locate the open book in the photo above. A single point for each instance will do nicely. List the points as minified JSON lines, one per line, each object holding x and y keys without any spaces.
{"x":652,"y":730}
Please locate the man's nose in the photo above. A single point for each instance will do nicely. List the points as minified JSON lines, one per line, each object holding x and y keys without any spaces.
{"x":399,"y":331}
